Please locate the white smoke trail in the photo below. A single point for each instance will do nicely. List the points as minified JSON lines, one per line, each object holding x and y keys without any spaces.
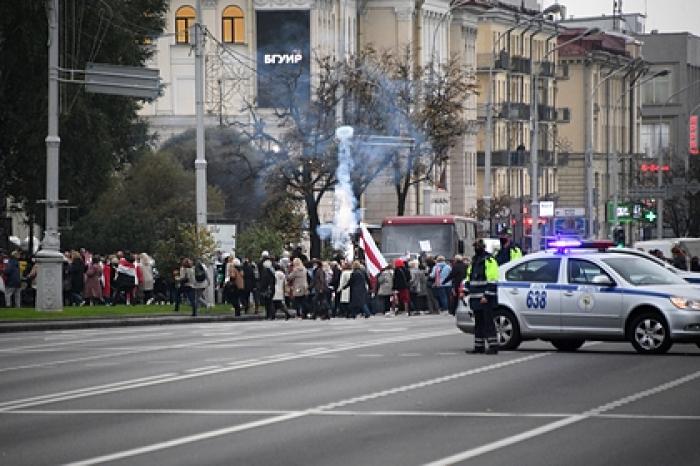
{"x":345,"y":218}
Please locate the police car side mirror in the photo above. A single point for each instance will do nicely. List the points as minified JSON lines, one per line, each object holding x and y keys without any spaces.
{"x":602,"y":280}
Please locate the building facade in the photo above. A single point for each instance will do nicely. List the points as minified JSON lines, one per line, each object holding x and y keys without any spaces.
{"x":600,"y":82}
{"x":238,"y":29}
{"x":517,"y":56}
{"x":668,"y":103}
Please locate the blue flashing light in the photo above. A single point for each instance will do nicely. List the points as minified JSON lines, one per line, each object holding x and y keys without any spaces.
{"x":563,"y":243}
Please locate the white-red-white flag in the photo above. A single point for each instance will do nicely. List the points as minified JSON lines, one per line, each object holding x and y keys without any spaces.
{"x":373,"y":257}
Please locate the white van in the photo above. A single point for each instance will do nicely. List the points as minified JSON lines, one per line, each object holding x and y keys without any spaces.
{"x":691,"y":246}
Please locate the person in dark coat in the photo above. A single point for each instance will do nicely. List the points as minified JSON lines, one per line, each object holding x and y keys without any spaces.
{"x":266,"y":288}
{"x":358,"y":285}
{"x":77,"y":278}
{"x":679,"y":260}
{"x":248,"y":285}
{"x":12,"y":279}
{"x":457,"y":275}
{"x":402,"y":286}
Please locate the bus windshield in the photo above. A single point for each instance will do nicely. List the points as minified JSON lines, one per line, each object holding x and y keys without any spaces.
{"x":398,"y":239}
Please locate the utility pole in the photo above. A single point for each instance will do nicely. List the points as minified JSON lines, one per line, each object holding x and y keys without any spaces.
{"x":200,"y":163}
{"x":50,"y":259}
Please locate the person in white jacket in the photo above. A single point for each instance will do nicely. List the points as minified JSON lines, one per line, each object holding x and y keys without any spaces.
{"x":345,"y":293}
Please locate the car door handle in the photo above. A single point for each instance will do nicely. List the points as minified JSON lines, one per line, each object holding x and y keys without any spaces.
{"x":514,"y":291}
{"x":568,"y":293}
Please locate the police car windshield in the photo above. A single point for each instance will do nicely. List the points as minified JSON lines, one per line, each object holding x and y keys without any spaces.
{"x":638,"y":271}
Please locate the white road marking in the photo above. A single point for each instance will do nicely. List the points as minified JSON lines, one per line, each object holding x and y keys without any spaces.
{"x":295,"y":415}
{"x":127,"y":385}
{"x":556,"y":425}
{"x":146,"y":349}
{"x":246,"y":412}
{"x":409,"y":355}
{"x":388,"y":330}
{"x":200,"y":369}
{"x":16,"y":349}
{"x":448,"y":353}
{"x":369,"y":355}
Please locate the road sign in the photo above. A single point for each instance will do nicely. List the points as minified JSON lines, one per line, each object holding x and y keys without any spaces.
{"x":546,"y":208}
{"x":131,"y":81}
{"x":570,"y":212}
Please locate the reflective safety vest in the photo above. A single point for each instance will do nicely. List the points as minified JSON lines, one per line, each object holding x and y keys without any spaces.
{"x":482,"y":279}
{"x":515,"y":253}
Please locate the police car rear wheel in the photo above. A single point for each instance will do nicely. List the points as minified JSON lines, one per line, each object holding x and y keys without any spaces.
{"x":507,"y":329}
{"x":568,"y":345}
{"x":649,"y":334}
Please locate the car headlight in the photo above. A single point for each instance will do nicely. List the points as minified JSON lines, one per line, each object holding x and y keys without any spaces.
{"x":685,"y":303}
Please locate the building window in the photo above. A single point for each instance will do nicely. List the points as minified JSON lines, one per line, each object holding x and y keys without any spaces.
{"x":233,"y":25}
{"x":184,"y":20}
{"x":657,"y":90}
{"x":654,"y":136}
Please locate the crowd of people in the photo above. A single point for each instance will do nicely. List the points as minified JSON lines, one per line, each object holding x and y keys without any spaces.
{"x":290,"y":285}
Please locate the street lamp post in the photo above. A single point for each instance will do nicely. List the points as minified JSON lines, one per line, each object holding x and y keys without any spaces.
{"x":488,"y":136}
{"x":589,"y":143}
{"x":534,"y":140}
{"x":50,"y":259}
{"x":200,"y":163}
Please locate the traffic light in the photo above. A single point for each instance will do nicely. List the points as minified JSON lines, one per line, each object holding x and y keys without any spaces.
{"x":619,"y":236}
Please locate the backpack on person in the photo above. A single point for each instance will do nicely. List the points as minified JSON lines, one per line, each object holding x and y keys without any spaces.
{"x":200,"y":273}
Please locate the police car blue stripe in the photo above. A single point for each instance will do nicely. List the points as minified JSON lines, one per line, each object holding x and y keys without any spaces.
{"x":567,"y":287}
{"x":692,"y":280}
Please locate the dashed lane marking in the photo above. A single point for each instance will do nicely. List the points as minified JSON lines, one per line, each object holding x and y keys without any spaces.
{"x":299,"y":414}
{"x":556,"y":425}
{"x":157,"y":380}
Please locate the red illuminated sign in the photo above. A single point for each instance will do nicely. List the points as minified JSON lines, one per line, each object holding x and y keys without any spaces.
{"x":652,"y":167}
{"x":693,"y":135}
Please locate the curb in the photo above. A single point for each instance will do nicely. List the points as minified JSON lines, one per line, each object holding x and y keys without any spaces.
{"x":106,"y":322}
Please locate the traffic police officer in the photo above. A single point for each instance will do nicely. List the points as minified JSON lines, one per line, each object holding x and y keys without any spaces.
{"x":508,"y":251}
{"x":481,"y":285}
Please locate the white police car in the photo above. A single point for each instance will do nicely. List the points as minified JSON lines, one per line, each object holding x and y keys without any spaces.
{"x":568,"y":295}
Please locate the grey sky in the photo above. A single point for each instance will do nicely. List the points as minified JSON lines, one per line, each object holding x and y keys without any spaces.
{"x":664,"y":15}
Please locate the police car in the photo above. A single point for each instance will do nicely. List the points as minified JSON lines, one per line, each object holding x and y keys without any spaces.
{"x":567,"y":295}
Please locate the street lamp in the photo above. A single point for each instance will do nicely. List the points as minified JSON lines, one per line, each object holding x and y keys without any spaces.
{"x":488,"y":136}
{"x":589,"y":142}
{"x":534,"y":143}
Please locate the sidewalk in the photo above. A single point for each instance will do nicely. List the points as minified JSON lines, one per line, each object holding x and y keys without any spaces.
{"x":104,"y":322}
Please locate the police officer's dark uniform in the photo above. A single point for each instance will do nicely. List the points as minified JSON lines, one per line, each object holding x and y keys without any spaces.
{"x":508,"y":251}
{"x":481,"y":284}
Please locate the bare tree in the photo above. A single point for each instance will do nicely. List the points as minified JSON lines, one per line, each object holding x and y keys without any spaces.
{"x":300,"y":148}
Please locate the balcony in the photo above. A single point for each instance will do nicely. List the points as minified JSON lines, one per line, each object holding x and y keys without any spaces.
{"x":521,"y":65}
{"x":518,"y":159}
{"x":485,"y":60}
{"x":547,"y":69}
{"x":545,"y":113}
{"x":515,"y":111}
{"x":563,"y":115}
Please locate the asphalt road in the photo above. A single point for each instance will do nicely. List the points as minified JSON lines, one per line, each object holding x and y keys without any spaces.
{"x":381,"y":391}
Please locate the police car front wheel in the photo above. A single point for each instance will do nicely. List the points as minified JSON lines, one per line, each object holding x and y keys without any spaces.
{"x":507,"y":329}
{"x":649,"y":334}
